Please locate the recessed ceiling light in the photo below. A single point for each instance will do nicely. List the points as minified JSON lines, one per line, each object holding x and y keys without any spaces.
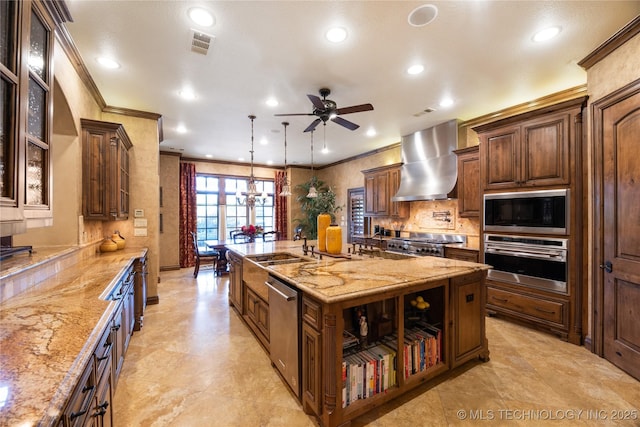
{"x":446,"y":102}
{"x":241,"y":159}
{"x":422,"y":15}
{"x":415,"y":69}
{"x":187,"y":94}
{"x":546,"y":34}
{"x":371,"y":132}
{"x":107,"y":62}
{"x":181,"y":129}
{"x":208,"y":156}
{"x":264,"y":141}
{"x":272,"y":102}
{"x":336,"y":34}
{"x":201,"y":17}
{"x":269,"y":162}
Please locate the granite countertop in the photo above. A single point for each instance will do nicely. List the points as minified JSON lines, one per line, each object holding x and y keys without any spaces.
{"x":49,"y":333}
{"x":337,"y":279}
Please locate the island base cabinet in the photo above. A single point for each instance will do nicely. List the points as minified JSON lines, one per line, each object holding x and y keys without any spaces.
{"x":468,"y":306}
{"x":361,"y":353}
{"x":311,"y":345}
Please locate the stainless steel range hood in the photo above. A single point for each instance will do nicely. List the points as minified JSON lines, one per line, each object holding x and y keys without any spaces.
{"x":430,"y":168}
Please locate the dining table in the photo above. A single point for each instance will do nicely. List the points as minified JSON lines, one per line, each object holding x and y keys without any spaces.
{"x":221,"y":248}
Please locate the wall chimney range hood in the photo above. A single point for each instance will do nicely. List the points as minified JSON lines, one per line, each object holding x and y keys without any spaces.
{"x":430,"y":168}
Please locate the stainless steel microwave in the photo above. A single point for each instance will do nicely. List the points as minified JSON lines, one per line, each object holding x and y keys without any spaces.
{"x":542,"y":211}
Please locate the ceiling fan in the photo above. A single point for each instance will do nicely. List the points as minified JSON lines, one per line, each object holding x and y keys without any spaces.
{"x":326,"y":109}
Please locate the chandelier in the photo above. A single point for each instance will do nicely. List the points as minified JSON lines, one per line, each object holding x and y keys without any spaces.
{"x":313,"y":192}
{"x":286,"y":187}
{"x":251,"y":196}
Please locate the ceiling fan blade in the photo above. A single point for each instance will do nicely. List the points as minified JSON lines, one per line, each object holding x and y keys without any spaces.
{"x":346,"y":123}
{"x":354,"y":109}
{"x":313,"y":125}
{"x":316,"y":101}
{"x":296,"y":114}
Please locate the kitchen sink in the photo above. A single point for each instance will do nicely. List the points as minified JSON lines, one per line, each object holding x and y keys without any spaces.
{"x":277,"y":258}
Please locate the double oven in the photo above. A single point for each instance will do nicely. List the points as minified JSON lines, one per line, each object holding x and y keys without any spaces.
{"x":526,"y":238}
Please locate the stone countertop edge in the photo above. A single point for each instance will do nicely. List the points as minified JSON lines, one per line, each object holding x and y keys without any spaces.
{"x":330,"y":268}
{"x":56,"y":323}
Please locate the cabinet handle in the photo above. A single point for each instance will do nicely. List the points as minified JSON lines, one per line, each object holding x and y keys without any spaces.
{"x":88,"y":388}
{"x":545,"y":311}
{"x":500,"y":299}
{"x":116,"y":328}
{"x":77,"y":414}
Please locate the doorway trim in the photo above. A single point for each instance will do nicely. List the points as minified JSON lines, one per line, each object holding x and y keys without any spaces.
{"x":597,"y":141}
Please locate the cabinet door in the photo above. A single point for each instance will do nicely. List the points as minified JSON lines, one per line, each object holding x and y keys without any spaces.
{"x":382,"y":194}
{"x":468,"y":303}
{"x":396,"y":209}
{"x":545,"y":151}
{"x":235,"y":282}
{"x":95,"y":175}
{"x":370,"y":195}
{"x":311,"y":359}
{"x":501,"y":158}
{"x":119,"y":328}
{"x":140,"y":279}
{"x":469,"y":183}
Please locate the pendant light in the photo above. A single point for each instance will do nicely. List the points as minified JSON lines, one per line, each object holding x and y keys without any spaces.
{"x":286,"y":188}
{"x":249,"y":198}
{"x":313,"y":193}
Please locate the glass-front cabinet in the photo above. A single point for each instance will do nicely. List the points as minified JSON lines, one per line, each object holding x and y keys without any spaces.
{"x":26,"y":49}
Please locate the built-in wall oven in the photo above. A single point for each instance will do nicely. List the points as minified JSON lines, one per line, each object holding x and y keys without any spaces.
{"x":541,"y":212}
{"x":538,"y":262}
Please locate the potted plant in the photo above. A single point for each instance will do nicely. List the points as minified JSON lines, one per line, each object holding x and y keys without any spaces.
{"x":311,"y":207}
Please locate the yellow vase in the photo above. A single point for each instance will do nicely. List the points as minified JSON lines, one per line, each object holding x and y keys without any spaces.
{"x":334,"y":239}
{"x":108,"y":245}
{"x":324,"y":221}
{"x":120,"y":242}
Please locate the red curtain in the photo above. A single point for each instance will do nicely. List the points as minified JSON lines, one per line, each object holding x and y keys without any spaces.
{"x":281,"y":208}
{"x":187,"y":213}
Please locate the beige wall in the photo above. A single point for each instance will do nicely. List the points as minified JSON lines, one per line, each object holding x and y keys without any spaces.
{"x":170,"y":211}
{"x":618,"y":69}
{"x":74,"y":101}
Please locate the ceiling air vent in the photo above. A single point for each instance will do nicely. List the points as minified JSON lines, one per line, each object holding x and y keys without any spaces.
{"x":425,"y":111}
{"x":200,"y":42}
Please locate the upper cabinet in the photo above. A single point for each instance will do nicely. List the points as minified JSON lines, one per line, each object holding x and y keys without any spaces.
{"x":380,"y":185}
{"x":530,"y":150}
{"x":105,"y":169}
{"x":26,"y":51}
{"x":469,"y":191}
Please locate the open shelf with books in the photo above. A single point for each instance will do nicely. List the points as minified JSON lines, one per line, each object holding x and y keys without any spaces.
{"x":359,"y":353}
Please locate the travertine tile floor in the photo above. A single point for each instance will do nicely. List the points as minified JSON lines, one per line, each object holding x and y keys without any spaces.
{"x":195,"y":363}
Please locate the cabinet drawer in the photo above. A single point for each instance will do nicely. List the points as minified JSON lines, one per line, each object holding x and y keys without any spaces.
{"x":103,"y":351}
{"x":312,"y":313}
{"x":528,"y":305}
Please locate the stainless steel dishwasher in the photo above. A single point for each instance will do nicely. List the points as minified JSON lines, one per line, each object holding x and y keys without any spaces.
{"x":284,"y":331}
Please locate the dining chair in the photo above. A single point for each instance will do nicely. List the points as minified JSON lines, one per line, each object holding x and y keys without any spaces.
{"x":203,"y":254}
{"x":270,"y":236}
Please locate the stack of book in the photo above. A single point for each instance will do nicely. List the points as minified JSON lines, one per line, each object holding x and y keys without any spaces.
{"x":368,"y":372}
{"x":422,"y":348}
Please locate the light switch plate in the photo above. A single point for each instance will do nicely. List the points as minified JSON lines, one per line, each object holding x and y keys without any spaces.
{"x":138,"y":213}
{"x":140,"y":222}
{"x":140,"y":232}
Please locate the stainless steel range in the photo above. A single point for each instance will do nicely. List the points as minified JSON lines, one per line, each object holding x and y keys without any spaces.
{"x":424,"y":244}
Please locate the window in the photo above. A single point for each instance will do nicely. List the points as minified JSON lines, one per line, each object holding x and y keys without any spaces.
{"x":207,"y":207}
{"x":208,"y":190}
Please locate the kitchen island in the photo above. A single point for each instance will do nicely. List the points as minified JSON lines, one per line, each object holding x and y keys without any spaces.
{"x":423,"y":317}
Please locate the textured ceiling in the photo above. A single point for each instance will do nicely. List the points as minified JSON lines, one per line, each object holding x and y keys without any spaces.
{"x":478,"y":53}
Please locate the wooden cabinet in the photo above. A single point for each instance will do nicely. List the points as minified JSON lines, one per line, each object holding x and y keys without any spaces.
{"x":463,"y":254}
{"x":123,"y":322}
{"x":528,"y":306}
{"x":105,"y":168}
{"x":140,"y":283}
{"x":257,"y":315}
{"x":235,"y":280}
{"x":530,"y":150}
{"x":468,"y":306}
{"x":448,"y":334}
{"x":81,"y":403}
{"x":26,"y":122}
{"x":380,"y":185}
{"x":469,"y":191}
